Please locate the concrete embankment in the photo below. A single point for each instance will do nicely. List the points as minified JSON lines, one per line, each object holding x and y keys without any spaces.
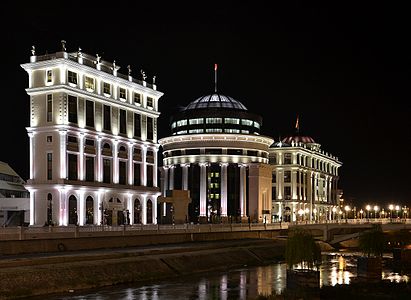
{"x":55,"y":273}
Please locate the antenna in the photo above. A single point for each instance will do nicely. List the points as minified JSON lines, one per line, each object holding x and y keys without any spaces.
{"x":215,"y":78}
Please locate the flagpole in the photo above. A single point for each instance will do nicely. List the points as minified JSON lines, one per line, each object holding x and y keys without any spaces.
{"x":215,"y":78}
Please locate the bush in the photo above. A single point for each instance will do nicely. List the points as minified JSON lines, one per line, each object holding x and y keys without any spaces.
{"x":371,"y":242}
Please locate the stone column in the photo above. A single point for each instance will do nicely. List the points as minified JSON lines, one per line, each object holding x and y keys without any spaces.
{"x":63,"y":148}
{"x":32,"y":154}
{"x":155,"y":152}
{"x":243,"y":194}
{"x":171,"y":183}
{"x":144,"y":209}
{"x":294,"y":185}
{"x":165,"y":180}
{"x":143,"y":168}
{"x":185,"y":176}
{"x":224,"y":189}
{"x":81,"y":208}
{"x":203,"y":192}
{"x":63,"y":207}
{"x":115,"y":161}
{"x":81,"y":157}
{"x":130,"y":164}
{"x":99,"y":163}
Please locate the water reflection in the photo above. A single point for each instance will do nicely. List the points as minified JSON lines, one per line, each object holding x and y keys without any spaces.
{"x":245,"y":283}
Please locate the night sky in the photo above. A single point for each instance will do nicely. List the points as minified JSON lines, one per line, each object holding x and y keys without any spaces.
{"x":345,"y":70}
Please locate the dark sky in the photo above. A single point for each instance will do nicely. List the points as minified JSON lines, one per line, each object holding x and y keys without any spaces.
{"x":344,"y":68}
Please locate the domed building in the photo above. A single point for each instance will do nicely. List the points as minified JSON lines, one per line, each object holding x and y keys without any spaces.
{"x":304,"y":179}
{"x":216,"y":152}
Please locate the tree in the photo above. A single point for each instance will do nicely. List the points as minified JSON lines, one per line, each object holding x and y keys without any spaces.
{"x":371,"y":242}
{"x":302,"y":249}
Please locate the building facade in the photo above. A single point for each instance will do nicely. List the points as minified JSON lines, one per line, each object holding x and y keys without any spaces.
{"x":93,"y":142}
{"x":304,"y":180}
{"x":14,"y":198}
{"x":215,"y":151}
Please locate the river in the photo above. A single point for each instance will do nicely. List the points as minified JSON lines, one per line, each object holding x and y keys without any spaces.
{"x":243,"y":283}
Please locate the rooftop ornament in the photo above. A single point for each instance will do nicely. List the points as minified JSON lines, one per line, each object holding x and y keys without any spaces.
{"x":33,"y":50}
{"x":63,"y":45}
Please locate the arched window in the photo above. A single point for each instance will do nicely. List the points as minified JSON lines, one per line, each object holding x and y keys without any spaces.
{"x":149,"y":212}
{"x":89,"y":210}
{"x":73,"y":215}
{"x":137,"y":212}
{"x":49,"y":209}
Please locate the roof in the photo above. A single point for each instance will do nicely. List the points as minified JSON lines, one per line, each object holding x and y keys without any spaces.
{"x":215,"y":101}
{"x":6,"y":169}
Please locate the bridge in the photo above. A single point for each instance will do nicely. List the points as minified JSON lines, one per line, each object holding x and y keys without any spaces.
{"x":337,"y":231}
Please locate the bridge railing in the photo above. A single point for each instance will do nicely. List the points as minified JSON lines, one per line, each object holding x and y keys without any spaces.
{"x":31,"y":232}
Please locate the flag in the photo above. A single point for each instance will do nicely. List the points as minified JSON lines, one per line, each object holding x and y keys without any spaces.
{"x":297,"y":126}
{"x":215,"y":67}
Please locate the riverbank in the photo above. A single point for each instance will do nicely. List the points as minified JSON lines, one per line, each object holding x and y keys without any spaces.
{"x":43,"y":274}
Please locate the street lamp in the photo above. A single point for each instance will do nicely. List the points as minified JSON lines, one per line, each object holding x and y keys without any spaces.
{"x":301,"y":212}
{"x":347,"y":209}
{"x":397,"y":208}
{"x":361,"y":212}
{"x":391,"y":207}
{"x":368,"y":208}
{"x":334,"y":210}
{"x":375,"y":210}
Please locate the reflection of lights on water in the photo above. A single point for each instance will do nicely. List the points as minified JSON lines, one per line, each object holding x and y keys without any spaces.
{"x":341,"y":263}
{"x":223,"y":287}
{"x":395,"y":277}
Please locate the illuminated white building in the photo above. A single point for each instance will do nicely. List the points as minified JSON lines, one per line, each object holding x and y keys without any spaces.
{"x":304,"y":180}
{"x":217,"y":153}
{"x":93,"y":142}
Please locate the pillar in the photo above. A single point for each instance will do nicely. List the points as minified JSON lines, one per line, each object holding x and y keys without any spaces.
{"x":203,"y":189}
{"x":115,"y":161}
{"x":63,"y":137}
{"x":243,"y":194}
{"x":185,"y":176}
{"x":224,"y":189}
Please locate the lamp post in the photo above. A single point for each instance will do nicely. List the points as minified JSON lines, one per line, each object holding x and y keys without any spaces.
{"x":391,"y":207}
{"x":347,"y":209}
{"x":315,"y":214}
{"x":375,"y":210}
{"x":361,"y":212}
{"x":397,"y":208}
{"x":300,"y":213}
{"x":368,"y":208}
{"x":334,"y":210}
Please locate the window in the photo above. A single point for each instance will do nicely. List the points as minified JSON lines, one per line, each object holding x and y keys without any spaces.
{"x":122,"y":176}
{"x":123,"y":121}
{"x":214,"y":120}
{"x":106,"y":170}
{"x":89,"y":168}
{"x":137,"y":125}
{"x":123,"y":93}
{"x":229,"y":130}
{"x":195,"y":121}
{"x":181,"y":123}
{"x":256,"y":125}
{"x":149,"y":175}
{"x":235,"y":151}
{"x":149,"y":102}
{"x":274,"y":178}
{"x":107,"y":88}
{"x":49,"y":76}
{"x":287,"y":193}
{"x":150,"y":129}
{"x":89,"y":142}
{"x":49,"y":108}
{"x":196,"y":131}
{"x":89,"y":83}
{"x":192,"y":151}
{"x":214,"y":130}
{"x":49,"y":139}
{"x":287,"y":158}
{"x":49,"y":166}
{"x":107,"y":118}
{"x":137,"y":178}
{"x":72,"y":77}
{"x":72,"y":108}
{"x":137,"y":98}
{"x":231,"y":121}
{"x":72,"y":166}
{"x":287,"y":176}
{"x":252,"y":153}
{"x":213,"y":151}
{"x":247,"y":122}
{"x":89,"y":113}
